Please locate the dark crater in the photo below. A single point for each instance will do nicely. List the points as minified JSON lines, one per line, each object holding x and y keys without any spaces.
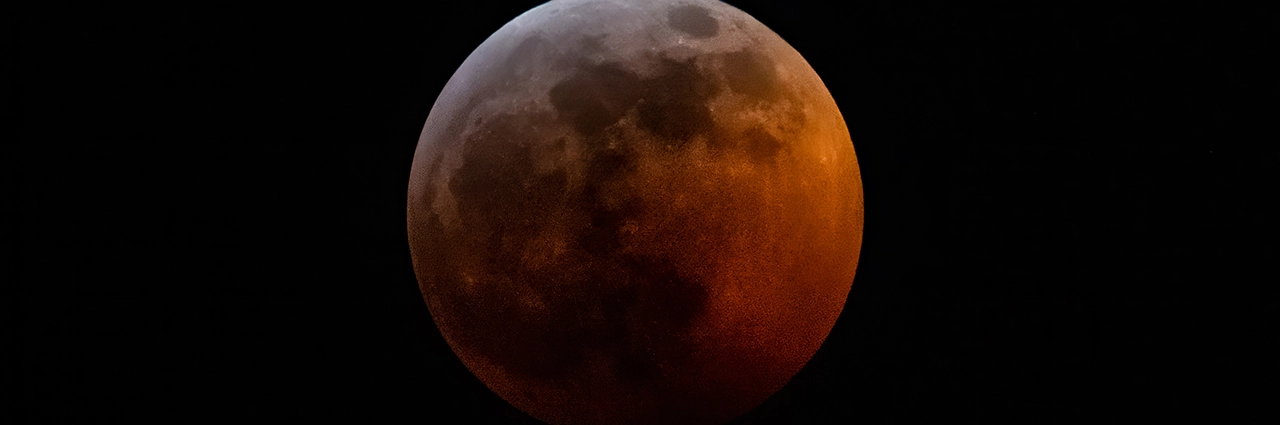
{"x":629,"y":306}
{"x":760,"y":145}
{"x":671,"y":105}
{"x":693,"y":20}
{"x":752,"y":74}
{"x":497,"y":186}
{"x":596,"y":96}
{"x":675,"y":104}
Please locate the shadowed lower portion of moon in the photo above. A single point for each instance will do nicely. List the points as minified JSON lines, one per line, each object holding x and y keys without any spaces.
{"x":635,"y":212}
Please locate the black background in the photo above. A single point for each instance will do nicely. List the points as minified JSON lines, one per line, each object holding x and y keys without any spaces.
{"x":1067,"y":212}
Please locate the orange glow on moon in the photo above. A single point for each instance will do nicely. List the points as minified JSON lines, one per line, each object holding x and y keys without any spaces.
{"x":635,"y":212}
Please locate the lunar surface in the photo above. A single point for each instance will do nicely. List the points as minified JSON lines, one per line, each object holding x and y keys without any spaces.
{"x":635,"y":212}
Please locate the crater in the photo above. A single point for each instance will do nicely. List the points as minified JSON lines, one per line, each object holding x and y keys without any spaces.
{"x":675,"y":104}
{"x":596,"y":96}
{"x":760,"y":145}
{"x":672,"y":105}
{"x":609,"y":297}
{"x":693,"y":20}
{"x":751,"y":74}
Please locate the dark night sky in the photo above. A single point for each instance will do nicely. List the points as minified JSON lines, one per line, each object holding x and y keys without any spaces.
{"x":1068,"y":212}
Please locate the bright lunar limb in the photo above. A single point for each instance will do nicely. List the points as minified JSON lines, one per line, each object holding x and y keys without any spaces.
{"x":635,"y":212}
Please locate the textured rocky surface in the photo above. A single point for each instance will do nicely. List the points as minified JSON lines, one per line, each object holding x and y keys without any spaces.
{"x":635,"y":212}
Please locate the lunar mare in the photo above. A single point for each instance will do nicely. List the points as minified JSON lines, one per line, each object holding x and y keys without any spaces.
{"x":635,"y":212}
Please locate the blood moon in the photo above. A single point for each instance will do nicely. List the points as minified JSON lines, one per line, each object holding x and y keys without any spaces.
{"x":635,"y":212}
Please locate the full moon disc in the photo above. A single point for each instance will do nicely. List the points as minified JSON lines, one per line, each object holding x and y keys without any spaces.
{"x":635,"y":212}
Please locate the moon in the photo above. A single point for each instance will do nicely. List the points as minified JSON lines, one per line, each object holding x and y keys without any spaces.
{"x":635,"y":212}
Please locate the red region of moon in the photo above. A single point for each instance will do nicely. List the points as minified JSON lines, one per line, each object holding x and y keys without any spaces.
{"x":635,"y":212}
